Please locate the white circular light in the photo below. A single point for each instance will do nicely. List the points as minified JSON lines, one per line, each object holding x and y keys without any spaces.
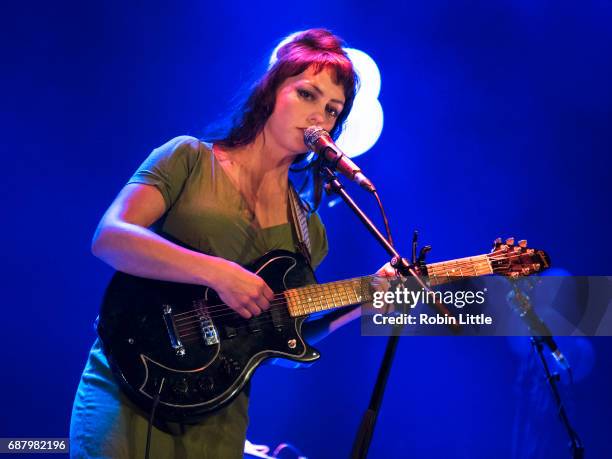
{"x":368,"y":72}
{"x":362,"y":128}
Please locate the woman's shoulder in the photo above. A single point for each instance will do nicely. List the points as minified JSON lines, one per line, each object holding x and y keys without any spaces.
{"x":187,"y":144}
{"x":183,"y":149}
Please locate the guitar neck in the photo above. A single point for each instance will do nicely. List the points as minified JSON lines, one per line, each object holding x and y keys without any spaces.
{"x":314,"y":298}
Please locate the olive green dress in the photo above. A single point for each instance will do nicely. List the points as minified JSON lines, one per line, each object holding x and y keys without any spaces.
{"x":206,"y":212}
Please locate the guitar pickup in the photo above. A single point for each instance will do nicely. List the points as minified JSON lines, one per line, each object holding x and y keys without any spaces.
{"x":209,"y":332}
{"x":277,"y":319}
{"x":175,"y":341}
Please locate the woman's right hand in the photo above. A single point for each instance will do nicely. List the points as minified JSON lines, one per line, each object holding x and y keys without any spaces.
{"x":243,"y":291}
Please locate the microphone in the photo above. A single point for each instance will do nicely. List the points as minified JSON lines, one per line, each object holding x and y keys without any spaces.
{"x":535,"y":324}
{"x":318,"y":140}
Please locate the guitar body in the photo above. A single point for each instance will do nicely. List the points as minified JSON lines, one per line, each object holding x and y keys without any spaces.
{"x":204,"y":352}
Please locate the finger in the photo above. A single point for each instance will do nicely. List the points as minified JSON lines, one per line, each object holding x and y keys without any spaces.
{"x":386,"y":272}
{"x":246,"y":314}
{"x":254,"y":309}
{"x":267,"y":296}
{"x":263,"y":303}
{"x":390,"y":272}
{"x":268,"y":293}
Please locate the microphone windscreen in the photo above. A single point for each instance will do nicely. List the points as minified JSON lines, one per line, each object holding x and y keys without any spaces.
{"x":312,"y":134}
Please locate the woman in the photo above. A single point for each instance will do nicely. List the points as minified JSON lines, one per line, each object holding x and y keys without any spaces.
{"x":229,"y":201}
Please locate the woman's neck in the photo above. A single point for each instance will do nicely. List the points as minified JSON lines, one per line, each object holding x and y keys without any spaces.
{"x":261,"y":162}
{"x":260,"y":170}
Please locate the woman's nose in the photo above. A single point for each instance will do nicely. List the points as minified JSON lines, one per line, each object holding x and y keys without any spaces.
{"x":316,"y":118}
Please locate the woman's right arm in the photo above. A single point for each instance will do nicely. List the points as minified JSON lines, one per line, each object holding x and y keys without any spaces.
{"x":124,"y":241}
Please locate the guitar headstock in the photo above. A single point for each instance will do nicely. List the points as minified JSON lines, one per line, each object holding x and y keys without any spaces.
{"x":514,"y":260}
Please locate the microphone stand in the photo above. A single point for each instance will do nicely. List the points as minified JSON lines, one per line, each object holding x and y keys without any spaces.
{"x":575,"y":445}
{"x":537,"y":341}
{"x":363,"y":437}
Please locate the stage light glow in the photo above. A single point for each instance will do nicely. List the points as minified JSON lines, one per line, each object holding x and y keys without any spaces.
{"x":364,"y":125}
{"x":362,"y":128}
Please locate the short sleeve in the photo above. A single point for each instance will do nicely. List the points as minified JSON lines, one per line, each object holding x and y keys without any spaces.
{"x":318,"y":239}
{"x":168,"y":167}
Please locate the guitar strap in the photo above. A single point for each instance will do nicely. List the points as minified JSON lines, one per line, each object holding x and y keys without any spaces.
{"x":300,"y":224}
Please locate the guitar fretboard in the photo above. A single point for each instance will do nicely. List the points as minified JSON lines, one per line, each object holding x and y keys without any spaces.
{"x":314,"y":298}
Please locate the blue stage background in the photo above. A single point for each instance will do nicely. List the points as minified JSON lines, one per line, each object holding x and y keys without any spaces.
{"x":498,"y":122}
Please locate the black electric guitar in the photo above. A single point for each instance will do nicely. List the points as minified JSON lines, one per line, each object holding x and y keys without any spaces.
{"x":180,"y":342}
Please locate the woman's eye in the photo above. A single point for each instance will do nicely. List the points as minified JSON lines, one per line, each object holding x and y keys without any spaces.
{"x":305,"y":94}
{"x":332,"y":112}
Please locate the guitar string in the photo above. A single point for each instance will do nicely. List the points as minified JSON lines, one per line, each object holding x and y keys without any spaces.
{"x":214,"y":310}
{"x":279,"y":299}
{"x":316,"y":287}
{"x":193,"y":335}
{"x":459,"y":264}
{"x":347,"y":296}
{"x":196,"y":331}
{"x":284,"y":309}
{"x":302,"y":292}
{"x":306,"y":288}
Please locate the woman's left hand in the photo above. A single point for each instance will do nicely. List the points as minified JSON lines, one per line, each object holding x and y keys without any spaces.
{"x":386,"y":270}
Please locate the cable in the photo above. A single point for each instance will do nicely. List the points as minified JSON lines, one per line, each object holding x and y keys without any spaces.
{"x":384,"y":217}
{"x":149,"y":428}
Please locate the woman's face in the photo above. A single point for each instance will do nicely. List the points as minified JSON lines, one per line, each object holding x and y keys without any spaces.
{"x":304,"y":100}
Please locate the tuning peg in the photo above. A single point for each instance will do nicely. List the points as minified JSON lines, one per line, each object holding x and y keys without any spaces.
{"x":510,"y":241}
{"x":423,"y":254}
{"x":523,"y":243}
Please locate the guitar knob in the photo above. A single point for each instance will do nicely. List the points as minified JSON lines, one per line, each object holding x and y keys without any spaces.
{"x":226,"y":367}
{"x":231,"y":366}
{"x":180,"y":387}
{"x":496,"y":244}
{"x":206,"y":383}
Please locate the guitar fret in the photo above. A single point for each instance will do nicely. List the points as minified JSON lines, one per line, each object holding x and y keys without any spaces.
{"x":318,"y":304}
{"x":335,"y":296}
{"x":479,"y":264}
{"x":307,"y":300}
{"x":325,"y":297}
{"x":302,"y":297}
{"x":321,"y":298}
{"x":347,"y":292}
{"x":342,"y":294}
{"x":337,"y":291}
{"x":357,"y":300}
{"x":331,"y":295}
{"x":351,"y":289}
